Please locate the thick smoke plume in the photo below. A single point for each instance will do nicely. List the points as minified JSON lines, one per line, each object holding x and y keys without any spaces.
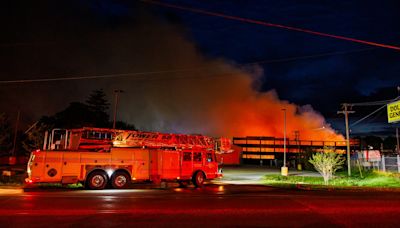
{"x":213,"y":97}
{"x":224,"y":104}
{"x":195,"y":94}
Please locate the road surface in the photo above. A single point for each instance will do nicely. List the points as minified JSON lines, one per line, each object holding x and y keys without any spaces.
{"x":211,"y":206}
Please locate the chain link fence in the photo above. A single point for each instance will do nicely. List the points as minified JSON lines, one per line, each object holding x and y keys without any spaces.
{"x":373,"y":159}
{"x":390,"y":164}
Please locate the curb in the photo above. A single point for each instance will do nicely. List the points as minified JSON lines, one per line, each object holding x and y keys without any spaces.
{"x":11,"y":187}
{"x":307,"y":187}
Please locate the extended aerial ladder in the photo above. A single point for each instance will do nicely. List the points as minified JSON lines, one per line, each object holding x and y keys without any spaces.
{"x":102,"y":139}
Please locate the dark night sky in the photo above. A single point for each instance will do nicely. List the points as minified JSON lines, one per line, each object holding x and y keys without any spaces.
{"x":51,"y":39}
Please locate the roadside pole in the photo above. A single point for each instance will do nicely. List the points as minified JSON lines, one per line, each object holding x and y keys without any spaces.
{"x":116,"y":98}
{"x":397,"y":139}
{"x":284,"y":169}
{"x":346,"y":118}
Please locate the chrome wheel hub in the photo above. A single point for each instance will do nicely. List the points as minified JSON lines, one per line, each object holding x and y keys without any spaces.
{"x":120,"y":181}
{"x":98,"y":181}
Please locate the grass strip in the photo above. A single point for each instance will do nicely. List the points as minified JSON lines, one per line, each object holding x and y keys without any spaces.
{"x":369,"y":179}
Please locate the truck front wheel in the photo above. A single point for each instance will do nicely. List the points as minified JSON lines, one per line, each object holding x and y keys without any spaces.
{"x":120,"y":180}
{"x":198,"y":179}
{"x":96,"y":180}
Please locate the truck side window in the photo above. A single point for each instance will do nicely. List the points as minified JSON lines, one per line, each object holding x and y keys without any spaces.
{"x":197,"y":156}
{"x":209,"y":157}
{"x":187,"y":156}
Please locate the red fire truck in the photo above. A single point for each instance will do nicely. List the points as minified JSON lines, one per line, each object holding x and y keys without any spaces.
{"x":103,"y":157}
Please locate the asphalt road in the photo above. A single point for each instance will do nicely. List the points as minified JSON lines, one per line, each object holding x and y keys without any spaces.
{"x":211,"y":206}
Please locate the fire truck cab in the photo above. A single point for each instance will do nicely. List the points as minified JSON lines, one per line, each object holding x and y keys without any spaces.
{"x":104,"y":164}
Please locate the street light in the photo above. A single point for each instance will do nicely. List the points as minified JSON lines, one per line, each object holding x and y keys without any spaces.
{"x":284,"y":169}
{"x":116,"y":92}
{"x":319,"y":129}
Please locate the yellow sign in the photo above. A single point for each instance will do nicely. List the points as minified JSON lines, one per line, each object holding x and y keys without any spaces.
{"x":393,"y":111}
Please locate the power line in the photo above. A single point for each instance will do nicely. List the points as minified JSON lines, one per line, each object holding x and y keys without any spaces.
{"x":94,"y":76}
{"x":373,"y":103}
{"x":140,"y":75}
{"x":309,"y":56}
{"x":268,"y":24}
{"x":365,"y":117}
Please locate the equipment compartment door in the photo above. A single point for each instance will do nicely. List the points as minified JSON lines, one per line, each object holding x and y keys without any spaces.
{"x":170,"y":164}
{"x":141,"y":164}
{"x":71,"y":164}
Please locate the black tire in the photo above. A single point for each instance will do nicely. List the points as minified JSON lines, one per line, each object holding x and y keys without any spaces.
{"x":96,"y":180}
{"x":198,"y":179}
{"x":120,"y":180}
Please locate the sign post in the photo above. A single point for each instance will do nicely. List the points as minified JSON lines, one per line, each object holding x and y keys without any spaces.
{"x":393,"y":112}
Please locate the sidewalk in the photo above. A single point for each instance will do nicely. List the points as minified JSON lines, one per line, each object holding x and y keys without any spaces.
{"x":254,"y":174}
{"x":4,"y":190}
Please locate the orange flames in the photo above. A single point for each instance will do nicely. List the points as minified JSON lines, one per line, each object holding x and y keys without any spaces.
{"x":245,"y":112}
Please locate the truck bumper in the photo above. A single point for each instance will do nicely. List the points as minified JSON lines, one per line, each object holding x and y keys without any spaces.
{"x":28,"y":181}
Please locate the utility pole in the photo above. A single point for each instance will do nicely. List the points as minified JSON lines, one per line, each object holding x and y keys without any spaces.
{"x":397,"y":139}
{"x":297,"y":138}
{"x":116,"y":98}
{"x":284,"y":138}
{"x":284,"y":169}
{"x":397,"y":128}
{"x":346,"y":118}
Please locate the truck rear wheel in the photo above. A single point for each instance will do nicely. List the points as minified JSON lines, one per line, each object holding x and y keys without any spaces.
{"x":97,"y":180}
{"x":198,"y":179}
{"x":120,"y":180}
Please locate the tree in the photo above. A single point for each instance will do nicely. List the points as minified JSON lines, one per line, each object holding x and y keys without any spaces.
{"x":76,"y":115}
{"x":98,"y":105}
{"x":34,"y":138}
{"x":93,"y":113}
{"x":327,"y":163}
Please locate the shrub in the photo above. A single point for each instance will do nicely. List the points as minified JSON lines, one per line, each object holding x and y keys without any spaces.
{"x":327,"y":163}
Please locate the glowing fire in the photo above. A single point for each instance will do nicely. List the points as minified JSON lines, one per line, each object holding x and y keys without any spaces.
{"x":240,"y":110}
{"x":262,"y":115}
